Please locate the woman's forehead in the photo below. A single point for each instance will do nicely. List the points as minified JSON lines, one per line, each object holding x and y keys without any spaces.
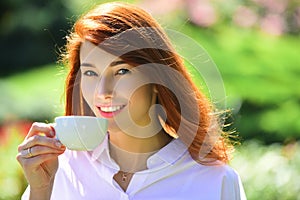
{"x":91,"y":53}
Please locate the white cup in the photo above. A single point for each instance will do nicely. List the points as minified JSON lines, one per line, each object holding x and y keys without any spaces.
{"x":81,"y":133}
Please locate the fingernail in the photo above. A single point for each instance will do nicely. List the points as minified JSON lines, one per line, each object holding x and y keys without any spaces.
{"x":52,"y":132}
{"x":58,"y":144}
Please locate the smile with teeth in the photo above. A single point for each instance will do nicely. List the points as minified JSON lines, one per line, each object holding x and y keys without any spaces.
{"x":110,"y":108}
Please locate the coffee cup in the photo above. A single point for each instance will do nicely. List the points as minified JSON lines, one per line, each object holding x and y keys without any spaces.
{"x":81,"y":133}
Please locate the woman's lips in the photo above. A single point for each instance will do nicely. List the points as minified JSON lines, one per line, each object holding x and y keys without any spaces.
{"x":110,"y":111}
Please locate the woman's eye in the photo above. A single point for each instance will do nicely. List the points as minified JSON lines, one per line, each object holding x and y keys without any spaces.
{"x":90,"y":73}
{"x":122,"y":71}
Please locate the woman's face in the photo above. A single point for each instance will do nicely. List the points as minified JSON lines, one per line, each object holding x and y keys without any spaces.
{"x":113,"y":89}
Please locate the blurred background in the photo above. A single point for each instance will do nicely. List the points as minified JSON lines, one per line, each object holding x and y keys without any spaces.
{"x":254,"y":43}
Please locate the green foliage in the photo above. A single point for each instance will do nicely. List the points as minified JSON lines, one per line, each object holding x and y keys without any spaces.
{"x":31,"y":33}
{"x":35,"y":95}
{"x":261,"y":76}
{"x":269,"y":172}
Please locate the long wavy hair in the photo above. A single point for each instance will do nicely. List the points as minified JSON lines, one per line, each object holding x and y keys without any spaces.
{"x":105,"y":26}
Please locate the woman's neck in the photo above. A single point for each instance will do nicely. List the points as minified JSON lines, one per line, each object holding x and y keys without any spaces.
{"x":131,"y":154}
{"x":132,"y":144}
{"x":129,"y":162}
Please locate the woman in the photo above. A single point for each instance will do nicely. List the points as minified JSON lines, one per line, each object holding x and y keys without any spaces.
{"x":163,"y":141}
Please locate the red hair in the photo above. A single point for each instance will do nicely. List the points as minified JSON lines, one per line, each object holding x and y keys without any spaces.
{"x":110,"y":21}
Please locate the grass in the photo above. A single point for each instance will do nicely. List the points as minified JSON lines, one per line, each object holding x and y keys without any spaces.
{"x":36,"y":94}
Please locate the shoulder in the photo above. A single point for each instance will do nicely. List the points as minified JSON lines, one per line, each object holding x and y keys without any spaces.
{"x":217,"y":171}
{"x":225,"y":180}
{"x":215,"y":181}
{"x":231,"y":184}
{"x":227,"y":172}
{"x":177,"y":154}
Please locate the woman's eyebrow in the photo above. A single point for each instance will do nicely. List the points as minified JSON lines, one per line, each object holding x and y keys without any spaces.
{"x":112,"y":64}
{"x":86,"y":65}
{"x":117,"y":62}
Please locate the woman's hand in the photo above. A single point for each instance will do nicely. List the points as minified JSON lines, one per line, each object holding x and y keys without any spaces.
{"x":38,"y":156}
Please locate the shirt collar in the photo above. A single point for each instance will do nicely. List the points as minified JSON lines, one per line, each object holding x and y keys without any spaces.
{"x":101,"y":153}
{"x":102,"y":148}
{"x":168,"y":155}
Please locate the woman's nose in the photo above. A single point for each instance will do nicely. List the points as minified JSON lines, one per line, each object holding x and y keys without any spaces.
{"x":105,"y":87}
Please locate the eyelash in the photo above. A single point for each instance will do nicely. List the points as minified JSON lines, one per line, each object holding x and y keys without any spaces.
{"x":119,"y":72}
{"x":122,"y":71}
{"x":90,"y":73}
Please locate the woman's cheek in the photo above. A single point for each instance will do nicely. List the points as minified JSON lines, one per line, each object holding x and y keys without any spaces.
{"x":127,"y":86}
{"x":88,"y":91}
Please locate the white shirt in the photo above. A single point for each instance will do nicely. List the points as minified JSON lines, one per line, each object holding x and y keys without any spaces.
{"x":171,"y":174}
